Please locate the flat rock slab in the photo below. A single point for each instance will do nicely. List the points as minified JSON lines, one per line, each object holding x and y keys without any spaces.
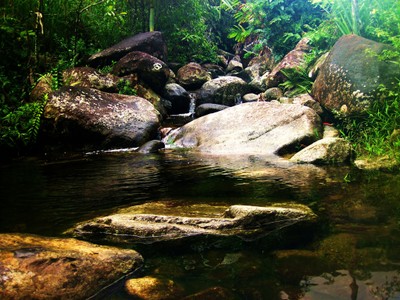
{"x":33,"y":267}
{"x":243,"y":221}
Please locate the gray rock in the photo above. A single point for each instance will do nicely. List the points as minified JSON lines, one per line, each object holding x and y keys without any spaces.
{"x":33,"y":267}
{"x":251,"y":97}
{"x":178,"y":97}
{"x":82,"y":118}
{"x":325,"y":151}
{"x":151,"y":147}
{"x":234,"y":65}
{"x":245,"y":222}
{"x":149,"y":42}
{"x":349,"y":79}
{"x":330,"y":132}
{"x":208,"y":108}
{"x":223,"y":90}
{"x":307,"y":100}
{"x":250,"y":128}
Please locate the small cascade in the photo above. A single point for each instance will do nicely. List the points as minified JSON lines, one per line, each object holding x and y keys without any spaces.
{"x":192,"y":105}
{"x":182,"y":119}
{"x":238,"y":99}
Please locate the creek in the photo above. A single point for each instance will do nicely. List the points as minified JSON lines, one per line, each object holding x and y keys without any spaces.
{"x":353,"y":252}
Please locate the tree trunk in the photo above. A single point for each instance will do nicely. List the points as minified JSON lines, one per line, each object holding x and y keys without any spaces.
{"x":151,"y":18}
{"x":355,"y":17}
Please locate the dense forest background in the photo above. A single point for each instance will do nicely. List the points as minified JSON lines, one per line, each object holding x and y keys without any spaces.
{"x":41,"y":37}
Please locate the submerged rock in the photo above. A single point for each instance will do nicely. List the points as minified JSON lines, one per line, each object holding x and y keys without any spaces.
{"x":153,"y":288}
{"x":245,"y":222}
{"x":263,"y":128}
{"x":33,"y":267}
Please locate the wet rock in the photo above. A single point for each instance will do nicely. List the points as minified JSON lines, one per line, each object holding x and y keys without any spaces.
{"x":263,"y":128}
{"x":150,"y":69}
{"x":90,"y":78}
{"x":208,"y":108}
{"x":294,"y":59}
{"x":178,"y":97}
{"x":223,"y":90}
{"x":349,"y":79}
{"x":325,"y":151}
{"x":245,"y":222}
{"x":82,"y":118}
{"x":193,"y":76}
{"x":149,"y":42}
{"x":152,"y":288}
{"x":33,"y":267}
{"x":151,"y":147}
{"x":377,"y":163}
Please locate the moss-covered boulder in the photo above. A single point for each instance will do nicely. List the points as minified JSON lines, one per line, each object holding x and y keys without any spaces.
{"x":349,"y":80}
{"x":88,"y":119}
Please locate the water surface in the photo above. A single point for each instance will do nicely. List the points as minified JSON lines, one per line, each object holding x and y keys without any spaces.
{"x":353,"y":254}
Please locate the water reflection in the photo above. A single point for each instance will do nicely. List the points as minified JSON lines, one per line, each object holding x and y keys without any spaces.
{"x":356,"y":255}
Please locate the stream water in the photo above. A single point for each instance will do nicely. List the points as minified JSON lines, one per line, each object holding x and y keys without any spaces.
{"x":353,"y":252}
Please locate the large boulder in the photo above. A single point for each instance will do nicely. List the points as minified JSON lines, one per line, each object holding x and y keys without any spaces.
{"x":150,"y":69}
{"x":294,"y":59}
{"x":225,"y":90}
{"x":90,"y":78}
{"x":156,"y":222}
{"x":33,"y":267}
{"x":193,"y":76}
{"x":82,"y":118}
{"x":149,"y":42}
{"x":350,"y":78}
{"x":264,"y":128}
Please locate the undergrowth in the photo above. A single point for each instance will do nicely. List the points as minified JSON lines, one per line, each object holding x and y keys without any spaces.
{"x":375,"y":133}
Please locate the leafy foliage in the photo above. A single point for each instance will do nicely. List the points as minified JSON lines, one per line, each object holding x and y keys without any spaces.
{"x":298,"y":81}
{"x":373,"y":19}
{"x":278,"y":24}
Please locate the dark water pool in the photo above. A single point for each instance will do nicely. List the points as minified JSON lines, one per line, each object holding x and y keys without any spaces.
{"x":353,"y":254}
